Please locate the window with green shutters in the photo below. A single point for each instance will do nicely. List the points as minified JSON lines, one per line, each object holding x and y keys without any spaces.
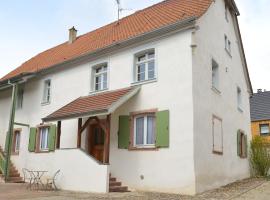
{"x":144,"y":130}
{"x":42,"y":139}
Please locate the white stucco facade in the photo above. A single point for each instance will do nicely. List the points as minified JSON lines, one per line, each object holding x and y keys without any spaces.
{"x":182,"y":86}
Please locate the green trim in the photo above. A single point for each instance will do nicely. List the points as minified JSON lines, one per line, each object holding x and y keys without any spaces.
{"x":21,"y":124}
{"x":10,"y":130}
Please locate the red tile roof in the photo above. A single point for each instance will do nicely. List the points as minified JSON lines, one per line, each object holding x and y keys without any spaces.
{"x":141,"y":22}
{"x":93,"y":104}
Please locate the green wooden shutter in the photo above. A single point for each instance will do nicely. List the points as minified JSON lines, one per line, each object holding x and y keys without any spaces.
{"x":32,"y":139}
{"x":246,"y":146}
{"x":52,"y":137}
{"x":124,"y":132}
{"x":6,"y":144}
{"x":239,"y":143}
{"x":162,"y":124}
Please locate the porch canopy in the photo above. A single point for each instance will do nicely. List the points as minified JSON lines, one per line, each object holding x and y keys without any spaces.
{"x":93,"y":105}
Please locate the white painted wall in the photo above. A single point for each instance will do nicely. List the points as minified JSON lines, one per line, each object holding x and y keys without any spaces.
{"x":168,"y":170}
{"x":215,"y":170}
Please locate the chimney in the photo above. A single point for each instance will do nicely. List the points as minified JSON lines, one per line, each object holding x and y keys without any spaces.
{"x":72,"y":35}
{"x":259,"y":90}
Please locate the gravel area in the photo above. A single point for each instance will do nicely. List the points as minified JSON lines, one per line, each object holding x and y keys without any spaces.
{"x":248,"y":189}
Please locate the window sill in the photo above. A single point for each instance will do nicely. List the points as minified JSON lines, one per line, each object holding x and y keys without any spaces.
{"x":143,"y":149}
{"x":228,"y":52}
{"x":144,"y":82}
{"x":216,"y":90}
{"x":240,"y":110}
{"x":45,"y":103}
{"x":42,"y":151}
{"x":98,"y":91}
{"x":15,"y":153}
{"x":217,"y":152}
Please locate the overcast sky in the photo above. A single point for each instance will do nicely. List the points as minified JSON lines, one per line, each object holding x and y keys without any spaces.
{"x":30,"y":26}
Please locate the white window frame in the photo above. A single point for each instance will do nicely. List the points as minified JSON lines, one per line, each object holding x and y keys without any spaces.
{"x":228,"y":45}
{"x":47,"y":138}
{"x":147,"y":60}
{"x":227,"y":11}
{"x":102,"y":75}
{"x":215,"y":76}
{"x":47,"y":91}
{"x":144,"y":145}
{"x":264,"y":125}
{"x":239,"y":99}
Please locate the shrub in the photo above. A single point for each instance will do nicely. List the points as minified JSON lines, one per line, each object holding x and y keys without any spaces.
{"x":260,"y":156}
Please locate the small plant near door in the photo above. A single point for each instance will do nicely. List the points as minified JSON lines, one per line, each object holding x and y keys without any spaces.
{"x":260,"y":156}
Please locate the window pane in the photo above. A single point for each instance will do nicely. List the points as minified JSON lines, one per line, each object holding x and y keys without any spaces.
{"x":104,"y":81}
{"x":17,"y":141}
{"x":150,"y":130}
{"x":139,"y":131}
{"x":151,"y":55}
{"x":98,"y":69}
{"x":151,"y":70}
{"x":44,"y":138}
{"x":141,"y":72}
{"x":215,"y":78}
{"x":264,"y":129}
{"x":141,"y":58}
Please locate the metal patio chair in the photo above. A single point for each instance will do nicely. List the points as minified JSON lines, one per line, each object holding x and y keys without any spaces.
{"x":27,"y":177}
{"x":50,"y":182}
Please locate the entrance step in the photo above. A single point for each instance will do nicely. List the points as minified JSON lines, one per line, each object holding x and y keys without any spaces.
{"x":14,"y":175}
{"x":116,"y":186}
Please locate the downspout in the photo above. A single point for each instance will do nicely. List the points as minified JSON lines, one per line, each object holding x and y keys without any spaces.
{"x":10,"y":130}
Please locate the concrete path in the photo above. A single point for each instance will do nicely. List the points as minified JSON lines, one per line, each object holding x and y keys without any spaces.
{"x":250,"y":189}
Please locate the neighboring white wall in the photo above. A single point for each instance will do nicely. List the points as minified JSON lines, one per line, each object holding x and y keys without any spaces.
{"x":166,"y":170}
{"x":94,"y":177}
{"x":216,"y":170}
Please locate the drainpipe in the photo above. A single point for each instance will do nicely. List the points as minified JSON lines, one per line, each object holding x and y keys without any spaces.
{"x":10,"y":130}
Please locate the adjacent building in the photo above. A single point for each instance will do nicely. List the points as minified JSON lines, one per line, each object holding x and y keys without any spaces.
{"x":260,"y":113}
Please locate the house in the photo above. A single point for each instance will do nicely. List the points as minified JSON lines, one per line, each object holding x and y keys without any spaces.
{"x":260,"y":113}
{"x":158,"y":100}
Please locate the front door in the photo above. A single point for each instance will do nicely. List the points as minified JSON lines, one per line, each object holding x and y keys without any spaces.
{"x":96,"y":141}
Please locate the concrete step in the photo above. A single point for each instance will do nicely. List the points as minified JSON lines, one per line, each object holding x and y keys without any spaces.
{"x":112,"y":179}
{"x":118,"y":189}
{"x":115,"y":183}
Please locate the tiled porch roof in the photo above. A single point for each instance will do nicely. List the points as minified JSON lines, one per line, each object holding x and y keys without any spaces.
{"x":98,"y":104}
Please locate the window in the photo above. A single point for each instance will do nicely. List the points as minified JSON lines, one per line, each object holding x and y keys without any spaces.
{"x":16,"y":141}
{"x":19,"y":103}
{"x":264,"y":129}
{"x":217,"y":135}
{"x":227,"y":45}
{"x":242,"y":144}
{"x":145,"y":66}
{"x":215,"y":75}
{"x":239,"y":98}
{"x":47,"y":91}
{"x":227,"y":11}
{"x":144,"y":131}
{"x":100,"y":77}
{"x":44,"y":138}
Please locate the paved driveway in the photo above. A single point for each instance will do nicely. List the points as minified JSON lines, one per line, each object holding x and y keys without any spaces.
{"x":249,"y":189}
